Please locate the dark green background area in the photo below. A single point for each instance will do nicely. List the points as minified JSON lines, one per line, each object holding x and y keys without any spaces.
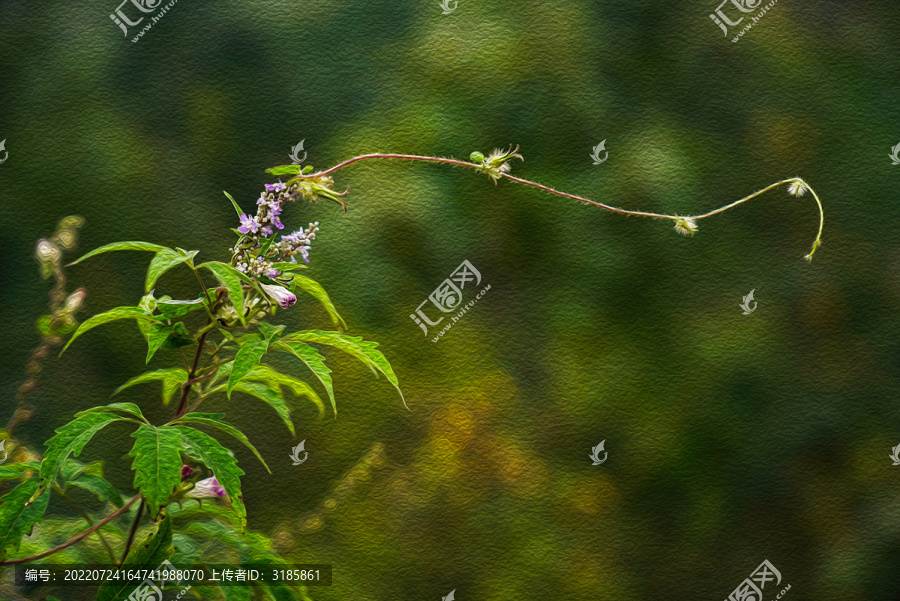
{"x":731,"y":438}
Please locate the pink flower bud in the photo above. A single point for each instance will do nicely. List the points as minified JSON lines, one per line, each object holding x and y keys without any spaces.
{"x":284,"y":297}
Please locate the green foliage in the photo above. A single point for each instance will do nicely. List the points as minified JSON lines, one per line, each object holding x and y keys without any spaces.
{"x":147,"y":555}
{"x":157,"y":464}
{"x":215,"y":420}
{"x":131,"y":245}
{"x":231,"y":278}
{"x":314,"y":361}
{"x":108,"y":316}
{"x":16,"y":517}
{"x":272,"y":397}
{"x":221,"y":462}
{"x":172,"y":378}
{"x":164,"y":260}
{"x":89,"y":476}
{"x":315,"y":289}
{"x":252,"y":348}
{"x":355,"y":346}
{"x":70,"y":439}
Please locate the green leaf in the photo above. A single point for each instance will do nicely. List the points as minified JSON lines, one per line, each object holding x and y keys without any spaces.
{"x":156,"y":336}
{"x":123,"y":407}
{"x":100,"y":487}
{"x":271,"y":396}
{"x":315,"y":289}
{"x":314,"y":361}
{"x":17,"y":518}
{"x":179,"y":337}
{"x":251,"y":351}
{"x":222,"y":464}
{"x":269,"y":331}
{"x":215,"y":420}
{"x":131,"y":245}
{"x":172,"y":379}
{"x":284,"y":170}
{"x":355,"y":346}
{"x":70,"y":440}
{"x":234,"y":204}
{"x":231,"y":278}
{"x":16,"y":471}
{"x":157,"y":464}
{"x":108,"y":316}
{"x":148,"y":555}
{"x":164,"y":260}
{"x":277,"y":379}
{"x":170,"y":309}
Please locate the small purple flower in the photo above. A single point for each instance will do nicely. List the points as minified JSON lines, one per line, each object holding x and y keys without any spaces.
{"x":275,"y":187}
{"x":207,"y":488}
{"x":186,"y":471}
{"x":248,"y":224}
{"x":284,"y":297}
{"x":305,"y":252}
{"x":272,"y":274}
{"x":267,"y":230}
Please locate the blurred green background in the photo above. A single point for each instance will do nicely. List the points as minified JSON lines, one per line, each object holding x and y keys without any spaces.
{"x":731,"y":438}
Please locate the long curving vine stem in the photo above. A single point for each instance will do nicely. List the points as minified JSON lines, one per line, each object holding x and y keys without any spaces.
{"x":496,"y":166}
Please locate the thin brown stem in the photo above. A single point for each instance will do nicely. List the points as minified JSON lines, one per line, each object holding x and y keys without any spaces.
{"x":87,"y":518}
{"x":132,"y":531}
{"x":99,"y":524}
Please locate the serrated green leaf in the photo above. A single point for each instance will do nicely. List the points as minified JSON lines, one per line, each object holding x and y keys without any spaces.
{"x":215,"y":420}
{"x":222,"y":464}
{"x":274,"y":378}
{"x":157,"y":464}
{"x":130,"y":408}
{"x":252,"y":349}
{"x":70,"y":440}
{"x":355,"y":346}
{"x":108,"y":316}
{"x":130,"y":245}
{"x":284,"y":170}
{"x":16,"y":518}
{"x":164,"y":260}
{"x":172,"y":379}
{"x":271,"y":396}
{"x":234,"y":203}
{"x":316,"y":290}
{"x":147,"y":555}
{"x":314,"y":361}
{"x":231,"y":278}
{"x":170,"y":309}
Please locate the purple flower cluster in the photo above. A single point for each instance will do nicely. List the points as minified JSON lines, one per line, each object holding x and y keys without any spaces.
{"x":297,"y":243}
